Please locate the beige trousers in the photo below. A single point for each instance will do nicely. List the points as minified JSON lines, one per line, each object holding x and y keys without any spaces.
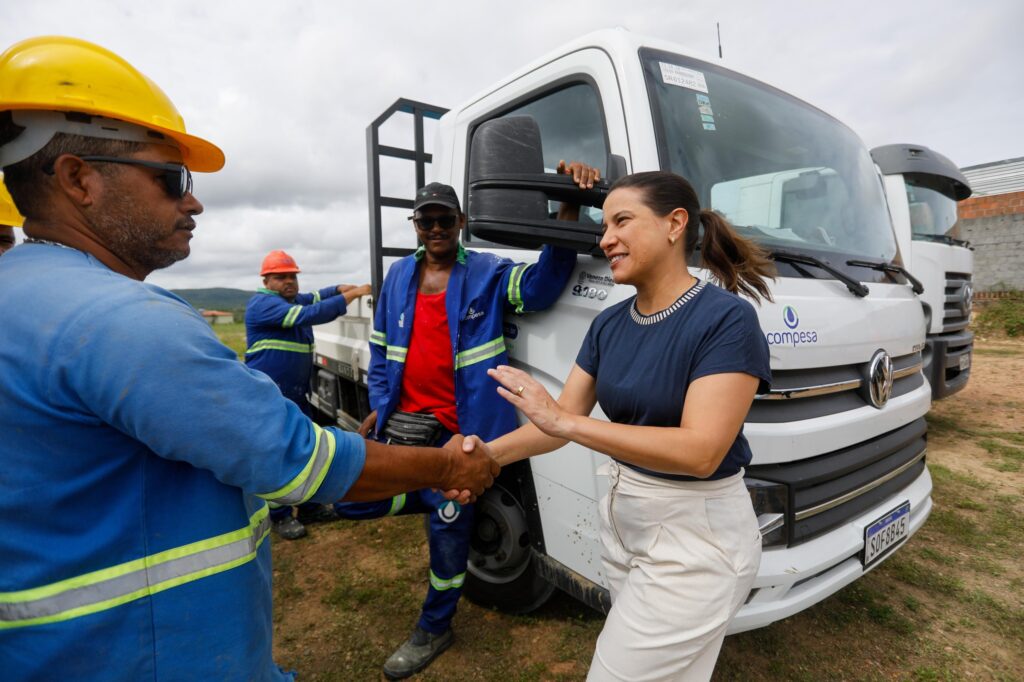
{"x":680,"y":558}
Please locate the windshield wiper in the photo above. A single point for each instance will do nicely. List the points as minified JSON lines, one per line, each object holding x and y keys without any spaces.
{"x":915,"y":283}
{"x":855,"y":287}
{"x":943,"y":238}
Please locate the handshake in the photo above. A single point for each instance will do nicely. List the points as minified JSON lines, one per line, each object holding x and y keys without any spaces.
{"x":471,"y":469}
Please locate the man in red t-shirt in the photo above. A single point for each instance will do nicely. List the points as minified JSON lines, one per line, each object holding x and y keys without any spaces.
{"x":443,"y":278}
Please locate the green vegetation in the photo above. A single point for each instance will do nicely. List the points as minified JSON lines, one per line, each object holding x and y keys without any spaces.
{"x":233,"y":336}
{"x":219,"y":298}
{"x":1003,"y":316}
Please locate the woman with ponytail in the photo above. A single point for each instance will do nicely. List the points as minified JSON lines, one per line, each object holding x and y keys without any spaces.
{"x":675,"y":368}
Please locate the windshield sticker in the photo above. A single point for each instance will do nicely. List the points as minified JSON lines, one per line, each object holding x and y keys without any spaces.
{"x":705,"y":109}
{"x":707,"y":119}
{"x":673,"y":74}
{"x":709,"y":126}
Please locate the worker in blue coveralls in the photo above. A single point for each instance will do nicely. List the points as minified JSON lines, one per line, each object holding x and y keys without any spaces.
{"x":120,"y":408}
{"x":279,"y":340}
{"x":438,"y":327}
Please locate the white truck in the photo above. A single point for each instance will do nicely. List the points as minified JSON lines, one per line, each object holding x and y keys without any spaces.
{"x":923,"y":188}
{"x":838,"y":478}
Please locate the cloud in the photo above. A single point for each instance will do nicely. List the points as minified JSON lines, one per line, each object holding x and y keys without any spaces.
{"x":287,"y":89}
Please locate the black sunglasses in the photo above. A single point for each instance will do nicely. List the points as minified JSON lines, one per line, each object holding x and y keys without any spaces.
{"x":446,"y":222}
{"x":176,"y":176}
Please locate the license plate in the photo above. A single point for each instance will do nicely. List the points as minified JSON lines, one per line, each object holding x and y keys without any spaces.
{"x":884,"y":534}
{"x":965,"y":361}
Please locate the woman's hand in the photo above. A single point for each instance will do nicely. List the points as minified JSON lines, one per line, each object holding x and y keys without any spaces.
{"x":533,"y":400}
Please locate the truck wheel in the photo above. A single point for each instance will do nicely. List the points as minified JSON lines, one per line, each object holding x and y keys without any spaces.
{"x":502,"y":572}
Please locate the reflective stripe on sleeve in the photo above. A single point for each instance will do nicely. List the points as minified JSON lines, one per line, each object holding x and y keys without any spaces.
{"x":480,"y":353}
{"x":316,"y":297}
{"x":378,"y":338}
{"x":307,"y":482}
{"x":293,"y":314}
{"x":515,"y":295}
{"x":275,"y":344}
{"x":441,"y":584}
{"x":110,"y":587}
{"x":396,"y":353}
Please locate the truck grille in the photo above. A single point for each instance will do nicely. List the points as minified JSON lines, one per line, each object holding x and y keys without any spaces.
{"x":828,"y":490}
{"x":832,"y":390}
{"x":956,"y":311}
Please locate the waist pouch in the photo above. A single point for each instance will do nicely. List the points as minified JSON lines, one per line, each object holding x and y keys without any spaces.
{"x":411,"y":428}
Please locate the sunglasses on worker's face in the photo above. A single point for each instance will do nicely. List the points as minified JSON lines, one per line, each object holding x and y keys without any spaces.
{"x":446,"y":222}
{"x":176,"y":176}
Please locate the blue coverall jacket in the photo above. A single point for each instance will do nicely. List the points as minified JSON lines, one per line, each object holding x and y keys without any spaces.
{"x":279,"y":336}
{"x":138,"y":456}
{"x":481,"y":289}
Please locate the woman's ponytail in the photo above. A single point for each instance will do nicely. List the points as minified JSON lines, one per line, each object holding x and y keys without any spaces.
{"x":740,"y":265}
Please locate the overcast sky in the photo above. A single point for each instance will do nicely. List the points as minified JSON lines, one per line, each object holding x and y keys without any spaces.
{"x":288,"y":88}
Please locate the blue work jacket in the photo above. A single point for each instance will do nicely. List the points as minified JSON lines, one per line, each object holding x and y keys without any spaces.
{"x":138,"y":459}
{"x":279,"y":336}
{"x":481,"y":289}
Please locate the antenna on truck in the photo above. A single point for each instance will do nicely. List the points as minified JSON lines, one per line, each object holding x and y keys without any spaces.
{"x":718,"y":28}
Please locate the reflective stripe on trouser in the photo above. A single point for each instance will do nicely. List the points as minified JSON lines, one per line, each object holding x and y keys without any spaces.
{"x":274,"y":344}
{"x":674,"y":586}
{"x":110,"y":587}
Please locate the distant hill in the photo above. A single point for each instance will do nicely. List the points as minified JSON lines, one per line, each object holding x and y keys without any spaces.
{"x":218,"y":298}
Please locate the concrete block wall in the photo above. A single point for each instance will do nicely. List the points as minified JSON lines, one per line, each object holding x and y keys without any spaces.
{"x":994,"y":225}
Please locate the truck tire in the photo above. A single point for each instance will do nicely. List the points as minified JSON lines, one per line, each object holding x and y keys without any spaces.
{"x":502,"y":573}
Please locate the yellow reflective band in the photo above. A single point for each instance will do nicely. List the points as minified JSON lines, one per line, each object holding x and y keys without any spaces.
{"x":397,"y":504}
{"x":110,"y":587}
{"x":274,"y":344}
{"x":307,"y":482}
{"x":378,"y":338}
{"x":316,"y":297}
{"x":293,"y":314}
{"x":396,"y":353}
{"x":441,"y":584}
{"x":480,"y":353}
{"x":515,"y":280}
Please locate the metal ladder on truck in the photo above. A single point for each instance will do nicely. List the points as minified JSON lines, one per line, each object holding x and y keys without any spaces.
{"x":374,"y":151}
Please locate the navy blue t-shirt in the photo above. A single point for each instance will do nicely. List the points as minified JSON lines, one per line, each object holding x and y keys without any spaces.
{"x":643,"y":365}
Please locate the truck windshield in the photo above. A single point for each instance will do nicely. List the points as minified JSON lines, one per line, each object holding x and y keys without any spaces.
{"x":932,"y":213}
{"x":784,"y":173}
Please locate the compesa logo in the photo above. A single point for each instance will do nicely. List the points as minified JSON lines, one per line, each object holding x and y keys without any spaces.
{"x":789,"y":317}
{"x":880,"y":379}
{"x":449,"y":511}
{"x":793,"y":337}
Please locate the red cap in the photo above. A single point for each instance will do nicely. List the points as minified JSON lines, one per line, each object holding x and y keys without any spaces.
{"x":278,"y":262}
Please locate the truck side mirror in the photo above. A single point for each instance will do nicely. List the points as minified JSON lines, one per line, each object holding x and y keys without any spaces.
{"x":509,"y":190}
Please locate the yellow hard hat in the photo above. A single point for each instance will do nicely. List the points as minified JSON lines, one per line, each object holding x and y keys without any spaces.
{"x":8,"y":213}
{"x":55,"y":73}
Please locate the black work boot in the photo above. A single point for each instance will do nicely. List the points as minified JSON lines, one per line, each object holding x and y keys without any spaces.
{"x":289,"y":528}
{"x":316,"y":513}
{"x":416,"y":653}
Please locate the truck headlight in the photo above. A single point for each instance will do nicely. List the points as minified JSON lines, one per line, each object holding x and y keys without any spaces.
{"x":770,"y":501}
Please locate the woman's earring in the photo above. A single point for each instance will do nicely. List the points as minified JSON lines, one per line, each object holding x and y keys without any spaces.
{"x":672,"y":240}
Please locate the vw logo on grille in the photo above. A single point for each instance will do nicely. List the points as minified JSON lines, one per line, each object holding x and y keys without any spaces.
{"x":880,"y":379}
{"x":966,"y":299}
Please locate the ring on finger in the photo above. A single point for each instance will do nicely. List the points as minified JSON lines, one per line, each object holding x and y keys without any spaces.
{"x":519,"y":391}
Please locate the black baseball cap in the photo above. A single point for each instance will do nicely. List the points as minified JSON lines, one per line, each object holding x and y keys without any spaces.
{"x":437,"y":193}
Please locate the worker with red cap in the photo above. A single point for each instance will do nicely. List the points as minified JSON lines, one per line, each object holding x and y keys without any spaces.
{"x":279,"y":342}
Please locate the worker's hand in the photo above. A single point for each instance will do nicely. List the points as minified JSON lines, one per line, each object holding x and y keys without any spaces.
{"x":583,"y":175}
{"x":351,"y":291}
{"x":366,"y":427}
{"x":471,"y":470}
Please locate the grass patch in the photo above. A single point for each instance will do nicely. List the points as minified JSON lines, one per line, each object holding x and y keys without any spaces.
{"x":233,"y":336}
{"x":997,"y":352}
{"x":1003,"y":316}
{"x":910,"y":572}
{"x":1010,"y":457}
{"x":945,"y":476}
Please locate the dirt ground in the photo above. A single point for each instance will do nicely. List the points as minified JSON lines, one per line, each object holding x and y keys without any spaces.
{"x":947,"y":606}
